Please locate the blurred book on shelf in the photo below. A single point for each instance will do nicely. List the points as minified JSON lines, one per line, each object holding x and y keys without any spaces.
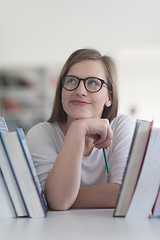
{"x":25,"y":97}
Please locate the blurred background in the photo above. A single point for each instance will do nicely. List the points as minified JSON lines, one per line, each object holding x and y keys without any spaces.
{"x":37,"y":36}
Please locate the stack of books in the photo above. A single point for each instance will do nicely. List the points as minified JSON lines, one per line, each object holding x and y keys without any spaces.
{"x":21,"y":194}
{"x":139,"y":195}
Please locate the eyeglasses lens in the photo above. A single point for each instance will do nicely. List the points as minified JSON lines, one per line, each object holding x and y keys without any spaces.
{"x":91,"y":84}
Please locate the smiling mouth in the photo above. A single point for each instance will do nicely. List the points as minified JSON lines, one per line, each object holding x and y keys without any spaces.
{"x":79,"y":103}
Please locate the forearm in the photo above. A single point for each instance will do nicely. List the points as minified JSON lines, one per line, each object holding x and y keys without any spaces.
{"x":63,"y":182}
{"x":101,"y":196}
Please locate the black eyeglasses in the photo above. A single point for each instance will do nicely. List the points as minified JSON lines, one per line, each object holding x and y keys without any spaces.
{"x":91,"y":84}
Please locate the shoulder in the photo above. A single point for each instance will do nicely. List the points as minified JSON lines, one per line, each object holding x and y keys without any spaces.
{"x":122,"y":121}
{"x":44,"y":130}
{"x":39,"y":128}
{"x":123,"y":126}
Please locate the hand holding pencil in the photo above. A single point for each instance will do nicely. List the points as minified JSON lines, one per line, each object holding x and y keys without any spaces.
{"x":100,"y":130}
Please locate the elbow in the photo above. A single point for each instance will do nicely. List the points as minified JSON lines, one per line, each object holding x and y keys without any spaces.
{"x":56,"y":203}
{"x":59,"y":206}
{"x":57,"y":198}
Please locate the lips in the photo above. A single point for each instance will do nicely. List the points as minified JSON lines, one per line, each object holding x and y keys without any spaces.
{"x":79,"y":103}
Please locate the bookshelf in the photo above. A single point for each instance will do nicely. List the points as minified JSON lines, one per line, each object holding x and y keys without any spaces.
{"x":26,"y":97}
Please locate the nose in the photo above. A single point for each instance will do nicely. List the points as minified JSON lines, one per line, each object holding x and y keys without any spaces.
{"x":81,"y":90}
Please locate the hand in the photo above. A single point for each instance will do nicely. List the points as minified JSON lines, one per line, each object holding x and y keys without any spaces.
{"x":99,"y":130}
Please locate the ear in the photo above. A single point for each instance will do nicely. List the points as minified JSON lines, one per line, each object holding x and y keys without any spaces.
{"x":109,"y":102}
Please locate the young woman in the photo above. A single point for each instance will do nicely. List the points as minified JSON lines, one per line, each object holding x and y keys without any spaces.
{"x":67,"y":150}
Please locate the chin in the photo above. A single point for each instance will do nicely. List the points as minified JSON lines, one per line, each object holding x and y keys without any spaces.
{"x":85,"y":117}
{"x":82,"y":116}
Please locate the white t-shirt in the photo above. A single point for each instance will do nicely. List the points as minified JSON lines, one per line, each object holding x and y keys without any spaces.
{"x":45,"y":140}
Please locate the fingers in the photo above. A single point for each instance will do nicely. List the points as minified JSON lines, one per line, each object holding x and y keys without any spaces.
{"x":105,"y":136}
{"x":104,"y":144}
{"x":99,"y":130}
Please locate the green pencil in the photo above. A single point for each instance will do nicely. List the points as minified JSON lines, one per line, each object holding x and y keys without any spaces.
{"x":106,"y":162}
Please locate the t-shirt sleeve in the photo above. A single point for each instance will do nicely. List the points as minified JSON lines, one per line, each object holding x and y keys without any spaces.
{"x":123,"y":129}
{"x":40,"y":141}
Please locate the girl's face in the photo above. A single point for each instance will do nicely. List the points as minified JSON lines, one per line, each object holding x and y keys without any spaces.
{"x":80,"y":103}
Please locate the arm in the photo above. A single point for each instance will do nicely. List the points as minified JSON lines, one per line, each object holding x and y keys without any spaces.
{"x":106,"y":195}
{"x":101,"y":196}
{"x":63,"y":182}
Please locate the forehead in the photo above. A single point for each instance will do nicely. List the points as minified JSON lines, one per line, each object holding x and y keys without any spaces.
{"x":88,"y":68}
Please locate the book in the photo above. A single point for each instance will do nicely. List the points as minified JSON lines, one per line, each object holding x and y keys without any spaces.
{"x":133,"y":167}
{"x":6,"y":206}
{"x":22,"y":170}
{"x":3,"y":125}
{"x":31,"y":166}
{"x":11,"y":181}
{"x":148,"y":183}
{"x":156,"y":207}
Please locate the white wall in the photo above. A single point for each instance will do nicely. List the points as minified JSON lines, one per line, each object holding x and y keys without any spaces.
{"x":45,"y":32}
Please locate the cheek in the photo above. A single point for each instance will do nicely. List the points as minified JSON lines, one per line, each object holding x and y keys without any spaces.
{"x":101,"y":99}
{"x":99,"y":104}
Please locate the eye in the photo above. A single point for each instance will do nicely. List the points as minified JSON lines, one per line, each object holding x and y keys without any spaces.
{"x":70,"y":81}
{"x":93,"y":82}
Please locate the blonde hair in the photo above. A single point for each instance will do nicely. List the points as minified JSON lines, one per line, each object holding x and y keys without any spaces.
{"x":58,"y":113}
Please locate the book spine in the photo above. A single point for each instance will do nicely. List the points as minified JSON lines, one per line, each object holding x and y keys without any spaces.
{"x":115,"y":214}
{"x":32,"y":169}
{"x":148,"y":138}
{"x":7,"y":154}
{"x":8,"y":192}
{"x":156,"y":208}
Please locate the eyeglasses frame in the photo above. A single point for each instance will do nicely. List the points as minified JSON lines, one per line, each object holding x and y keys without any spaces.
{"x":84,"y":80}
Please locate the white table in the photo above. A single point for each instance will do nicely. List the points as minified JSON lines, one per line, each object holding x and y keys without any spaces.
{"x":80,"y":224}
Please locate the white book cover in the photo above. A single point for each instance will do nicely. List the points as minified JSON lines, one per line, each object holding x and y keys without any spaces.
{"x":23,"y":174}
{"x":6,"y":207}
{"x":133,"y":166}
{"x":31,"y":166}
{"x":149,"y":179}
{"x":11,"y":181}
